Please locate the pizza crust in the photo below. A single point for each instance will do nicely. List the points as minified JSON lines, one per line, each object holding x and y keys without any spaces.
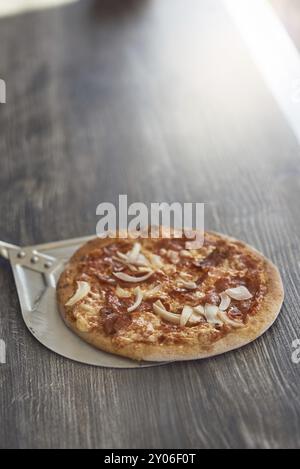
{"x":255,"y":327}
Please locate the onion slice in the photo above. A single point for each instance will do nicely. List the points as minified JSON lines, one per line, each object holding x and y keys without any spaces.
{"x":133,"y":257}
{"x":133,"y":254}
{"x":211,"y":313}
{"x":129,"y":278}
{"x":122,"y":255}
{"x":141,"y":260}
{"x":156,"y":261}
{"x":223,"y":316}
{"x":83,"y":289}
{"x":159,"y":303}
{"x":199,"y":310}
{"x":225,"y":301}
{"x":239,"y":293}
{"x":188,"y":284}
{"x":185,"y":315}
{"x":194,"y":319}
{"x":159,"y":309}
{"x":138,"y":300}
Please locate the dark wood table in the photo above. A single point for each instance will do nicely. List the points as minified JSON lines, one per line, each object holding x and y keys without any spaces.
{"x":162,"y":101}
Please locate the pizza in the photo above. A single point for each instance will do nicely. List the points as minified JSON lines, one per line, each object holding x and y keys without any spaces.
{"x":155,"y":300}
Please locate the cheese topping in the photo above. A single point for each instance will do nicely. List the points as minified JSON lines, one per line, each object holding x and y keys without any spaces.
{"x":201,"y":291}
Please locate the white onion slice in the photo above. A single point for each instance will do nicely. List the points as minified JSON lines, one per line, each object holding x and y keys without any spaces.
{"x":142,"y":260}
{"x":185,"y":315}
{"x":138,"y":300}
{"x":239,"y":293}
{"x":188,"y":284}
{"x":211,"y":313}
{"x":83,"y":289}
{"x":223,"y":316}
{"x":122,"y":255}
{"x":225,"y":301}
{"x":119,"y":259}
{"x":198,"y":314}
{"x":199,"y":310}
{"x":129,"y":278}
{"x":164,"y":314}
{"x":194,"y":319}
{"x":131,"y":258}
{"x":133,"y":254}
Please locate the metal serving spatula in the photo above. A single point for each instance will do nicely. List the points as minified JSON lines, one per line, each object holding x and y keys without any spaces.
{"x":36,"y":270}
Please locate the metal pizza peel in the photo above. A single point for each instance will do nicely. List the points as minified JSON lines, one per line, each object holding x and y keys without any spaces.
{"x":36,"y":270}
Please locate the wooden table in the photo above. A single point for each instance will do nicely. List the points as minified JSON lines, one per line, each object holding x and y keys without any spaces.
{"x":159,"y":100}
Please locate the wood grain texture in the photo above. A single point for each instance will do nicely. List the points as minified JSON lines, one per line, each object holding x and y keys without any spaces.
{"x":159,"y":100}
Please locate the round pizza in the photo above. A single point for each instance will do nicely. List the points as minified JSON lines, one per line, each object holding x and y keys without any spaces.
{"x":154,"y":299}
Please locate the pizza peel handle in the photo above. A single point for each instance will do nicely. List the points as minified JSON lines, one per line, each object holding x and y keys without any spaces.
{"x":31,"y":259}
{"x":5,"y":247}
